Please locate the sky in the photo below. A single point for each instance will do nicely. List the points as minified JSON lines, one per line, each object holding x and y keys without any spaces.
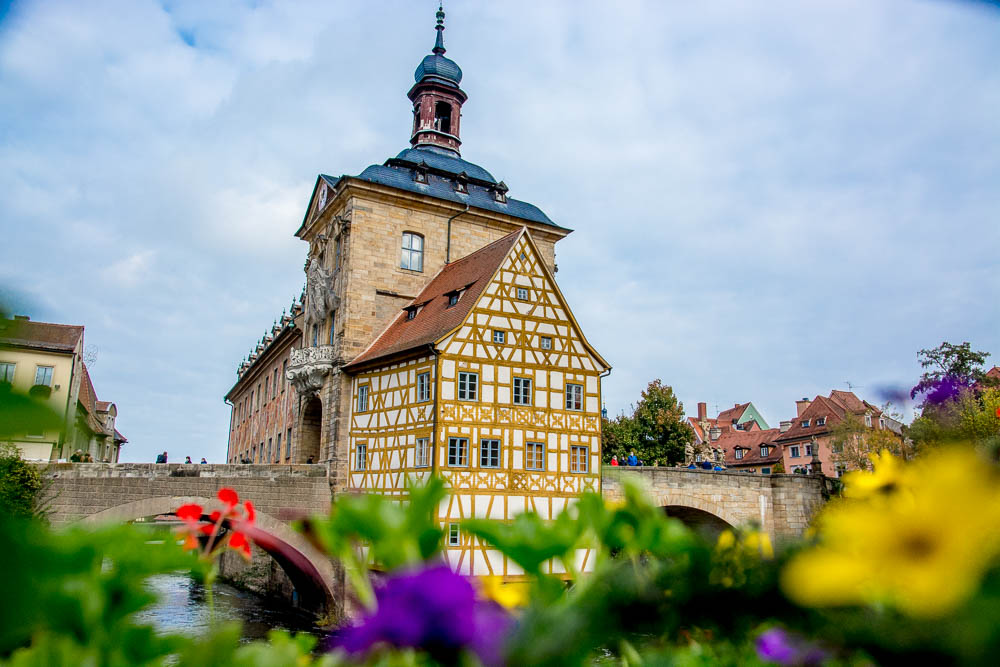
{"x":770,"y":200}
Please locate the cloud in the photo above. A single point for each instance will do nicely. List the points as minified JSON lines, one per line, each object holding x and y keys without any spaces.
{"x":769,"y":200}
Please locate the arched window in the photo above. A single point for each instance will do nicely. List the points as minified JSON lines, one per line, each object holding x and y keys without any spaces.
{"x":442,"y":117}
{"x":413,"y":252}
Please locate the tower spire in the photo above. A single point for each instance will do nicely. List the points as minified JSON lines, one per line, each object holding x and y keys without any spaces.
{"x":439,"y":41}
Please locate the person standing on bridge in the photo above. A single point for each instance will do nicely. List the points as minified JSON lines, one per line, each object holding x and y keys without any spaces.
{"x":614,"y":460}
{"x":161,"y":458}
{"x":203,"y":460}
{"x":633,"y":460}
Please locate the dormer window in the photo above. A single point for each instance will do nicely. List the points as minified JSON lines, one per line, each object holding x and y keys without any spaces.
{"x":411,"y":313}
{"x":764,"y":450}
{"x":500,"y":192}
{"x":462,"y":183}
{"x":739,"y":452}
{"x":805,"y":423}
{"x":821,"y":421}
{"x":420,"y":172}
{"x":868,"y":421}
{"x":442,"y":117}
{"x":453,"y":297}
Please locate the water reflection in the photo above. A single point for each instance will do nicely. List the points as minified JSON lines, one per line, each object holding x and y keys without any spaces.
{"x":183,"y":609}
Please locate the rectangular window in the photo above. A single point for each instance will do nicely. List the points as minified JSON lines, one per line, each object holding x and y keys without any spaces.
{"x":43,"y":375}
{"x":739,"y":452}
{"x":534,"y":456}
{"x":269,"y":449}
{"x":363,"y":398}
{"x":468,"y":386}
{"x":522,"y":391}
{"x":274,"y":385}
{"x":489,"y":453}
{"x":413,"y":252}
{"x":284,"y":369}
{"x":258,"y":396}
{"x":454,"y":536}
{"x":277,"y":448}
{"x":578,"y":458}
{"x":423,"y":445}
{"x":793,"y":451}
{"x":267,"y":388}
{"x":333,"y":329}
{"x":574,"y":397}
{"x":7,"y":372}
{"x":361,"y":456}
{"x":453,"y":299}
{"x":809,"y":450}
{"x":805,"y":423}
{"x":821,"y":421}
{"x":765,"y":471}
{"x":288,"y":443}
{"x":423,"y":387}
{"x":499,"y":337}
{"x":764,"y":449}
{"x":522,"y":293}
{"x":458,"y":451}
{"x":546,"y":342}
{"x":868,"y":419}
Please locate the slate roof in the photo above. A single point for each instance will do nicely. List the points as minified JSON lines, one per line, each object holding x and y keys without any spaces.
{"x":442,"y":172}
{"x":40,"y":335}
{"x":435,"y":318}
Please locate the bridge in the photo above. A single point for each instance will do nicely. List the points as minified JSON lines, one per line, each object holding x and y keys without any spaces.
{"x":94,"y":492}
{"x":782,"y":505}
{"x":90,"y":492}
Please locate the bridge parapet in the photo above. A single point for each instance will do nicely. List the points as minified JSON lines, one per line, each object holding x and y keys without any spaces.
{"x":782,"y":505}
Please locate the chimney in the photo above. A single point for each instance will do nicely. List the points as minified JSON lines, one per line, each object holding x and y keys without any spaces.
{"x":785,"y":425}
{"x":800,"y":406}
{"x":714,"y":433}
{"x":24,"y":318}
{"x":702,"y":412}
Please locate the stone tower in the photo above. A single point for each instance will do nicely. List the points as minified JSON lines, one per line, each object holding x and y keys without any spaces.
{"x":376,"y":239}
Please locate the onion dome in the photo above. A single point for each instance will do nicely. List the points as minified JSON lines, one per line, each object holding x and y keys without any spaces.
{"x":436,"y":64}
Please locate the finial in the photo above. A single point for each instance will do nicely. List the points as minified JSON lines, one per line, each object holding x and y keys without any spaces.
{"x":439,"y":42}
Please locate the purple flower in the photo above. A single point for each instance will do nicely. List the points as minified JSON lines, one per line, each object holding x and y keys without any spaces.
{"x":940,"y":390}
{"x":435,"y":610}
{"x":777,"y":645}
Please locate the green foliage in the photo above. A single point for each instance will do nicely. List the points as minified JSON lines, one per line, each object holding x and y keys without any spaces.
{"x":20,"y":414}
{"x":657,"y":430}
{"x":947,"y":360}
{"x":21,"y":485}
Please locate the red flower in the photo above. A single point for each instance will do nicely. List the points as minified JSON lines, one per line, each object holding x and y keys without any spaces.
{"x":998,"y":412}
{"x":229,"y":498}
{"x":189,"y":513}
{"x":251,"y":514}
{"x":239,"y":542}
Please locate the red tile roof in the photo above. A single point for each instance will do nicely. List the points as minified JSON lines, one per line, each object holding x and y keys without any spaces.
{"x":733,"y":414}
{"x":994,"y":373}
{"x":40,"y":335}
{"x":751,"y":441}
{"x":435,"y":317}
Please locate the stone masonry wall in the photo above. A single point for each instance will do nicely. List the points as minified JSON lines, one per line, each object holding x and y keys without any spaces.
{"x":782,"y":505}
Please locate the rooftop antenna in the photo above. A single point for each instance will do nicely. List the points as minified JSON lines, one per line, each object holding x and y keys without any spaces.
{"x":852,"y":387}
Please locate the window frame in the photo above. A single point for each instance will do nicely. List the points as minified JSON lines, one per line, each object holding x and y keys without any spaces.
{"x":421,"y":452}
{"x":794,"y":452}
{"x":8,"y":372}
{"x":579,"y":464}
{"x":462,"y":392}
{"x":526,"y":393}
{"x":809,"y":449}
{"x":570,"y":398}
{"x":525,"y":292}
{"x":454,"y":535}
{"x":361,"y":456}
{"x":545,"y":342}
{"x":423,"y":393}
{"x":820,"y":421}
{"x":362,"y":403}
{"x":765,"y":450}
{"x":486,"y":456}
{"x":739,"y":453}
{"x":532,"y":455}
{"x":50,"y":375}
{"x":458,"y":451}
{"x":804,"y":423}
{"x":499,"y":337}
{"x":408,"y":252}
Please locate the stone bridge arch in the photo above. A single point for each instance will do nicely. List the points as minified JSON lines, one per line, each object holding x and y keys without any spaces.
{"x":310,"y":571}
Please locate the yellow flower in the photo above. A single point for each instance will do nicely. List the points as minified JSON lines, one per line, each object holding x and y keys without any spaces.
{"x":759,"y":543}
{"x":726,"y":540}
{"x":510,"y":595}
{"x":924,"y":551}
{"x":886,"y":478}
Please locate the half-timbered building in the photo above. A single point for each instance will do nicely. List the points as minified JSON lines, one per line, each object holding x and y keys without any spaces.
{"x":486,"y":380}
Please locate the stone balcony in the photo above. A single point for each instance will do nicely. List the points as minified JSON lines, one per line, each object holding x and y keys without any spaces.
{"x":309,"y":366}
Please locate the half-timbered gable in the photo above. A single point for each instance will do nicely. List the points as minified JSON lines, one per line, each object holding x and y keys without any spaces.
{"x":514,"y":402}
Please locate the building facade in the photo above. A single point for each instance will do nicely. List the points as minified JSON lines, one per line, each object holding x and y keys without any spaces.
{"x":45,"y":361}
{"x":376,"y":239}
{"x":486,"y":380}
{"x":265,"y":411}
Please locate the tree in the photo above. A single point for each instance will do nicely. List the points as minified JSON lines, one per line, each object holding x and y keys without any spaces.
{"x":20,"y":485}
{"x":952,"y":368}
{"x":663,"y":432}
{"x":619,"y":436}
{"x":852,"y":442}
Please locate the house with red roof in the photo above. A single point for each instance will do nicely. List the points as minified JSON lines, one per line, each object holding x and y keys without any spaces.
{"x":45,"y":361}
{"x":741,"y":417}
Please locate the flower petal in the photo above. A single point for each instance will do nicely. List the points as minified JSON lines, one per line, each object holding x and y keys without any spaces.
{"x":251,"y":513}
{"x":239,"y":542}
{"x":190,"y":543}
{"x":215,"y":516}
{"x":228,"y":497}
{"x":189,"y":513}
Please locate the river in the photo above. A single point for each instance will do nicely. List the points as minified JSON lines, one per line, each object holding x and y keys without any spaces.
{"x":182,"y":608}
